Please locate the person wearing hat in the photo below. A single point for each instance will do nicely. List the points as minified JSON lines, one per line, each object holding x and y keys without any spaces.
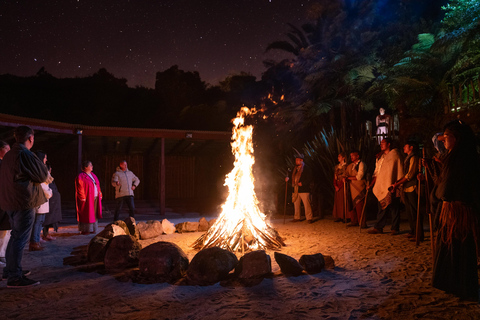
{"x":455,"y":261}
{"x":301,"y":179}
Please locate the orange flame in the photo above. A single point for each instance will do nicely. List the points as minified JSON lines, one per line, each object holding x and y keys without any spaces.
{"x":241,"y":225}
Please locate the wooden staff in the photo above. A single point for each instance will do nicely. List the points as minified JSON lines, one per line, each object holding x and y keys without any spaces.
{"x":417,"y":233}
{"x":345,"y":202}
{"x":430,"y":222}
{"x":285,"y":205}
{"x":363,"y":210}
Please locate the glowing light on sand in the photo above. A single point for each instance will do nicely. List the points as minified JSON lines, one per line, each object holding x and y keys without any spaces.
{"x":241,"y":225}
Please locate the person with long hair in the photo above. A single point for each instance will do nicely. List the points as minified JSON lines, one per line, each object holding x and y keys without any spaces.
{"x":339,"y":200}
{"x":455,"y":265}
{"x":88,"y":198}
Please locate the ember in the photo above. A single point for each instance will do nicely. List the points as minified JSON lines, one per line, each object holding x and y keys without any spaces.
{"x":241,"y":226}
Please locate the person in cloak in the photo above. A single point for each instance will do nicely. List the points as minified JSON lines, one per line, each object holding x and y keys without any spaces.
{"x":301,"y":179}
{"x":88,"y":199}
{"x":388,"y":170}
{"x":355,"y":175}
{"x":338,"y":183}
{"x":455,"y":267}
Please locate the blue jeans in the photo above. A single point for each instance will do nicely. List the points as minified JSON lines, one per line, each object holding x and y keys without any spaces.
{"x":37,"y":227}
{"x":131,"y":206}
{"x":22,"y":223}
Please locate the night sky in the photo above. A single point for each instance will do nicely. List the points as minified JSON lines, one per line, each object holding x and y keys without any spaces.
{"x":134,"y":39}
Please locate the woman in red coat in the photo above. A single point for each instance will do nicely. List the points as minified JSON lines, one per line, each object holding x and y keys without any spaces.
{"x":88,"y":198}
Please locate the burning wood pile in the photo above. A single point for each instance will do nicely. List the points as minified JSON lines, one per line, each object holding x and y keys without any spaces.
{"x":241,"y":225}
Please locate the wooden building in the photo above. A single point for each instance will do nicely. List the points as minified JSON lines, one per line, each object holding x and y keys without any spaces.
{"x":177,"y":168}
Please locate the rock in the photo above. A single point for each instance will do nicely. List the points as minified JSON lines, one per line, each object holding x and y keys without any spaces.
{"x":168,"y":227}
{"x":122,"y":225}
{"x":110,"y":231}
{"x":202,"y":225}
{"x":329,"y":262}
{"x":163,"y":262}
{"x":96,"y":249}
{"x":187,"y":226}
{"x":255,"y":264}
{"x":288,"y":265}
{"x":150,"y":229}
{"x":210,"y":266}
{"x":312,"y":263}
{"x":211,"y":222}
{"x":121,"y":253}
{"x":132,"y":227}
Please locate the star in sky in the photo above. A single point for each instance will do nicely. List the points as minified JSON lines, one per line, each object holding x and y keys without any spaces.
{"x":136,"y":39}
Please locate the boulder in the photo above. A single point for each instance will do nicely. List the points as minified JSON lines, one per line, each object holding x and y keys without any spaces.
{"x":168,"y":227}
{"x":96,"y":249}
{"x":122,"y":225}
{"x":121,"y":253}
{"x":329,"y":262}
{"x":163,"y":262}
{"x":288,"y":265}
{"x":312,"y":263}
{"x":202,"y":225}
{"x":110,"y":231}
{"x":255,"y":264}
{"x":150,"y":229}
{"x":187,"y":226}
{"x":210,"y":266}
{"x":132,"y":227}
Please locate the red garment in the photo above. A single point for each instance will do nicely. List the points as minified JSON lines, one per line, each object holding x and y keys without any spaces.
{"x":85,"y":198}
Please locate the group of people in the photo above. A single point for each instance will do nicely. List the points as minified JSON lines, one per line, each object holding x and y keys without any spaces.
{"x":30,"y":202}
{"x":454,"y":200}
{"x":88,"y":195}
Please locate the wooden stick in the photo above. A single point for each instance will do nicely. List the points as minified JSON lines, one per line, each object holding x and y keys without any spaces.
{"x":285,"y":205}
{"x":430,"y":222}
{"x":345,"y":203}
{"x":363,"y":210}
{"x":417,"y":233}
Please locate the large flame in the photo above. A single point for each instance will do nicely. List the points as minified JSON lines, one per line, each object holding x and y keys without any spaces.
{"x":241,"y":225}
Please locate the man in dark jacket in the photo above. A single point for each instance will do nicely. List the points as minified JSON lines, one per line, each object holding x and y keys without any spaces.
{"x":301,"y":179}
{"x":21,"y":174}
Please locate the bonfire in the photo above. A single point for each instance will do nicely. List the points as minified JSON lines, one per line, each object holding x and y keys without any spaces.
{"x":241,"y":225}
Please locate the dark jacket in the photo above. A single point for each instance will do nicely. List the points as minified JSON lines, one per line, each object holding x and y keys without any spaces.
{"x":21,"y":174}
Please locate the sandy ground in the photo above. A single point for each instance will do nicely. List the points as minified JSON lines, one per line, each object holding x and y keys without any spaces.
{"x":376,"y":277}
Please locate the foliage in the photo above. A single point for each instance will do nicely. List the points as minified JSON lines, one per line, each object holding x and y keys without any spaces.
{"x":461,"y":14}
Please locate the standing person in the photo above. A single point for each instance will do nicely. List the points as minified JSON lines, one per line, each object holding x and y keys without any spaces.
{"x":54,"y":216}
{"x":355,"y":175}
{"x":4,"y":221}
{"x":21,"y":174}
{"x":88,"y":198}
{"x":125,"y":182}
{"x":41,"y":210}
{"x":338,"y":183}
{"x":455,"y":263}
{"x":383,"y":125}
{"x":301,"y":179}
{"x":388,"y":169}
{"x":410,"y":192}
